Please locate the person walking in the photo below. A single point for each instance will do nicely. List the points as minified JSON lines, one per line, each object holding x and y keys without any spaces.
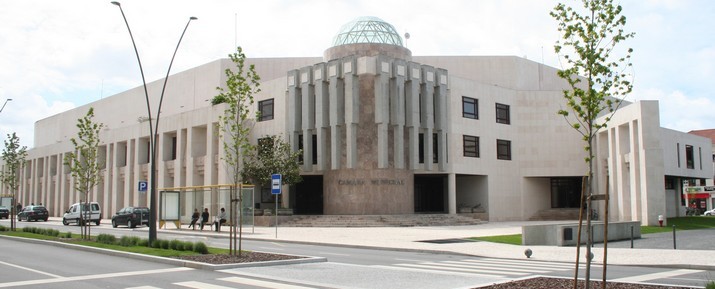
{"x":194,"y":218}
{"x":220,"y":219}
{"x":204,"y":218}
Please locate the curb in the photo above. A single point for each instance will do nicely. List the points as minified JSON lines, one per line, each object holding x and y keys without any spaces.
{"x":172,"y":261}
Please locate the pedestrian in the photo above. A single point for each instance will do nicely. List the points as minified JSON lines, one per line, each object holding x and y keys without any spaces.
{"x":194,"y":219}
{"x":204,"y":218}
{"x":220,"y":219}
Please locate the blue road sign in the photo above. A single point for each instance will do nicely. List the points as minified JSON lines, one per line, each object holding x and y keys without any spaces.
{"x":276,"y":184}
{"x":142,"y":186}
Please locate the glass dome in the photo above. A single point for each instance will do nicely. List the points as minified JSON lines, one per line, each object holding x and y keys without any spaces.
{"x":367,"y":29}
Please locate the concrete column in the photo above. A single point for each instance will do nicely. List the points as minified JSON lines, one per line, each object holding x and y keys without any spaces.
{"x":382,"y":109}
{"x":107,"y":204}
{"x":322,"y":113}
{"x":412,"y":113}
{"x":294,"y":109}
{"x":336,"y":92}
{"x":308,"y":116}
{"x":427,"y":114}
{"x":452,"y":193}
{"x":352,"y":110}
{"x":397,"y":112}
{"x":441,"y":103}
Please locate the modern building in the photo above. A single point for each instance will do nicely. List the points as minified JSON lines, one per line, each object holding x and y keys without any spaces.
{"x":383,"y":132}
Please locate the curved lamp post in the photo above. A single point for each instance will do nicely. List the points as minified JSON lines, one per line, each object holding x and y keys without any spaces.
{"x":153,"y":126}
{"x":3,"y":105}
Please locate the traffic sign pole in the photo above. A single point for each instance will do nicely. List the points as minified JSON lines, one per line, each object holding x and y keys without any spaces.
{"x":276,"y":181}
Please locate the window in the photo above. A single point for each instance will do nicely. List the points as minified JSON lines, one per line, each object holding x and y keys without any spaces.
{"x":677,"y":148}
{"x":503,"y":114}
{"x":471,"y":146}
{"x":421,"y":148}
{"x":470,"y":107}
{"x":265,"y":107}
{"x":314,"y":141}
{"x":689,"y":157}
{"x":503,"y":149}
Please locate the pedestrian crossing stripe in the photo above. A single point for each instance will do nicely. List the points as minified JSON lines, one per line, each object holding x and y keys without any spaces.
{"x":659,"y":275}
{"x":487,"y":267}
{"x":439,"y":271}
{"x":239,"y":280}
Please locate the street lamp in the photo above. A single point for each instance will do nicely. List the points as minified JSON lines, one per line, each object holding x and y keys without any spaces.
{"x":3,"y":105}
{"x":153,"y":127}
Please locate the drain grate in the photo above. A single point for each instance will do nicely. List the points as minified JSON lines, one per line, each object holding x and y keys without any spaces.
{"x":448,"y":241}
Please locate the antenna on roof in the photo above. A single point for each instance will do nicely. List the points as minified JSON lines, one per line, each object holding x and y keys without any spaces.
{"x":407,"y":36}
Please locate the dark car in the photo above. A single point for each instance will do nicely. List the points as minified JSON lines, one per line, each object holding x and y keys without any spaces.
{"x":33,"y":213}
{"x":4,"y":213}
{"x":131,"y":217}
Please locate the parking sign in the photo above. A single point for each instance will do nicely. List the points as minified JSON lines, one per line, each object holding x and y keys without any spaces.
{"x":142,"y":186}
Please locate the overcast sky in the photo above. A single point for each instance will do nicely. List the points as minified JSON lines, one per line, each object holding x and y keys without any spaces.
{"x":56,"y":55}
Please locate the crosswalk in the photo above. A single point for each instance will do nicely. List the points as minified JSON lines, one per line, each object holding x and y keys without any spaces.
{"x":501,"y":268}
{"x":230,"y":283}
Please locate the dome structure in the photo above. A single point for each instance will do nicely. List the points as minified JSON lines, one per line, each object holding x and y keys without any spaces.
{"x":367,"y":29}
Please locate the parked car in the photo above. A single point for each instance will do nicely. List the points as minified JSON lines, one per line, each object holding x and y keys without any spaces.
{"x":709,"y":213}
{"x":131,"y":217}
{"x":33,"y":213}
{"x":91,"y":213}
{"x":4,"y":213}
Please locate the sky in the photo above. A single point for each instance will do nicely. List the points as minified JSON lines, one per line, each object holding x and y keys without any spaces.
{"x":57,"y":55}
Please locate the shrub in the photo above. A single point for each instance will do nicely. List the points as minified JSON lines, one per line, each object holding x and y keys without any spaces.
{"x":200,"y":247}
{"x":68,"y":235}
{"x":53,"y":232}
{"x":156,"y":244}
{"x":3,"y":228}
{"x":106,"y":239}
{"x":176,"y":245}
{"x":188,"y":246}
{"x":128,"y":241}
{"x":143,"y":243}
{"x":710,"y":285}
{"x":165,"y":244}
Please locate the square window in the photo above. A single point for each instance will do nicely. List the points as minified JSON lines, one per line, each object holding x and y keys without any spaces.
{"x":503,"y":149}
{"x":503,"y":114}
{"x":470,"y":107}
{"x":265,"y":107}
{"x":471,"y":146}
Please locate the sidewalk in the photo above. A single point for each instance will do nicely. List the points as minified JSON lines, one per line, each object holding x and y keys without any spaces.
{"x":412,"y":238}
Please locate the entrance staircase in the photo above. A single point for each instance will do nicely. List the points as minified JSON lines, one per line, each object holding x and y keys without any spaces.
{"x":379,"y":220}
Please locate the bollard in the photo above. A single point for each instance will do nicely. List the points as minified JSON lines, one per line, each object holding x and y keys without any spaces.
{"x":674,"y":237}
{"x":631,"y":237}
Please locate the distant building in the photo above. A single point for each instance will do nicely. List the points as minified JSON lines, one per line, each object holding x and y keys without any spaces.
{"x":383,"y":132}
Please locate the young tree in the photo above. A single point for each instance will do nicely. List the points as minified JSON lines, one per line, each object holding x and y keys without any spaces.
{"x":84,"y":165}
{"x":589,"y":45}
{"x":14,"y":158}
{"x":272,"y":155}
{"x":235,"y":128}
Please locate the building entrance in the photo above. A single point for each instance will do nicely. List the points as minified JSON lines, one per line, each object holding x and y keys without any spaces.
{"x":309,"y":196}
{"x":430,"y":193}
{"x":566,"y":192}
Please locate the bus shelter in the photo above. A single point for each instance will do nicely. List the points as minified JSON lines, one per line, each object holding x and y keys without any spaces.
{"x":178,"y":204}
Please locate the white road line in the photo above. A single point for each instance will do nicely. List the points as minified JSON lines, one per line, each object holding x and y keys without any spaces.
{"x":333,"y":254}
{"x":92,"y":277}
{"x":260,"y":283}
{"x":660,"y":275}
{"x":143,"y":287}
{"x":271,"y":249}
{"x":516,"y":268}
{"x":201,"y":285}
{"x":31,"y":270}
{"x":532,"y":265}
{"x":444,"y":268}
{"x":437,"y":271}
{"x":408,"y":260}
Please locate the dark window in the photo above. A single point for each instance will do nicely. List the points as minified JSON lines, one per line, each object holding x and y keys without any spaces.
{"x":565,"y":192}
{"x":689,"y":157}
{"x":314,"y":150}
{"x":503,"y":149}
{"x":264,"y":143}
{"x":173,"y":148}
{"x":470,"y":107}
{"x":677,"y":148}
{"x":471,"y":146}
{"x":265,"y":107}
{"x":422,"y":148}
{"x":503,"y":114}
{"x":700,"y":157}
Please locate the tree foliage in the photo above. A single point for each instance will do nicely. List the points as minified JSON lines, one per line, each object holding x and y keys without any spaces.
{"x":272,"y":155}
{"x":84,"y":163}
{"x":589,"y":45}
{"x":242,"y":83}
{"x":13,"y":156}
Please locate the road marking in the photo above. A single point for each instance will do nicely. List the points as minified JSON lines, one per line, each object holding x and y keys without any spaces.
{"x":437,"y":266}
{"x":521,"y":264}
{"x":510,"y":268}
{"x":659,"y":275}
{"x":31,"y":270}
{"x":143,"y":287}
{"x":408,"y":260}
{"x":333,"y":254}
{"x":201,"y":285}
{"x":436,"y":271}
{"x":259,"y":283}
{"x":272,"y":249}
{"x":92,"y":277}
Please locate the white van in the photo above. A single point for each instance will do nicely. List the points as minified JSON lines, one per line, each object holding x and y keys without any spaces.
{"x":92,"y":213}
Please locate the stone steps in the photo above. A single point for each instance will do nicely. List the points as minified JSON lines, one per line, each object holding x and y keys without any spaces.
{"x":379,"y":220}
{"x":556,"y":215}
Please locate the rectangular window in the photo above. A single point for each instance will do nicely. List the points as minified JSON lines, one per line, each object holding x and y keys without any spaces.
{"x":265,"y":107}
{"x":314,"y":141}
{"x":700,"y":157}
{"x":689,"y":157}
{"x":503,"y":114}
{"x":677,"y":148}
{"x":503,"y":149}
{"x":470,"y":107}
{"x":421,"y":148}
{"x":471,"y":146}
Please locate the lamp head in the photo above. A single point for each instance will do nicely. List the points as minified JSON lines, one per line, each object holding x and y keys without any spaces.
{"x":116,"y":3}
{"x":9,"y":99}
{"x":193,"y":18}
